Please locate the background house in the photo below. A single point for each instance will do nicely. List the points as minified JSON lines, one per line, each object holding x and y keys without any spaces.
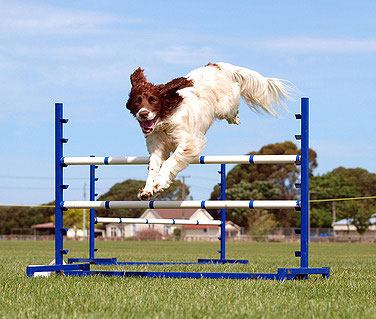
{"x":73,"y":232}
{"x":189,"y":232}
{"x":344,"y":227}
{"x":44,"y":229}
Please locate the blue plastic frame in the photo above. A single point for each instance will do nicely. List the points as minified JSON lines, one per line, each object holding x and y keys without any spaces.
{"x":83,"y":266}
{"x":92,"y":194}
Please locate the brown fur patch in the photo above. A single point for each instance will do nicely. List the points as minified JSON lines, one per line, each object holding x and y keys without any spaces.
{"x":171,"y":99}
{"x":138,"y":77}
{"x":215,"y":65}
{"x":161,"y":99}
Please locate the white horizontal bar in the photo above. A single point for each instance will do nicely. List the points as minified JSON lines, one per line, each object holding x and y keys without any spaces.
{"x":209,"y":204}
{"x":275,"y":159}
{"x":130,"y":160}
{"x":228,"y":159}
{"x":248,"y":159}
{"x":157,"y":221}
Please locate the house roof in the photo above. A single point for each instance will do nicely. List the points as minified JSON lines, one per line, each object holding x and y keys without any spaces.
{"x":44,"y":226}
{"x":174,"y":213}
{"x":231,"y":223}
{"x":344,"y":222}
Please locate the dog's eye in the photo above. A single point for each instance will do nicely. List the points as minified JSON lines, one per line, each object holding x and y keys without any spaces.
{"x":137,"y":101}
{"x":152,"y":100}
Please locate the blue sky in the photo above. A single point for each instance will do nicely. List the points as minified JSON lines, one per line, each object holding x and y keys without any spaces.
{"x":82,"y":53}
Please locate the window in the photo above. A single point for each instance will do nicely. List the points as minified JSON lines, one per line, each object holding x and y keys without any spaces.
{"x":113,"y":231}
{"x":133,"y":230}
{"x":166,"y":229}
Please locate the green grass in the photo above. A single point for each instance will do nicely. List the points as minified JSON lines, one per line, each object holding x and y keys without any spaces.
{"x":349,"y":293}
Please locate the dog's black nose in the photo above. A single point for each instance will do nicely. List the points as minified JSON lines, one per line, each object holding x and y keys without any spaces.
{"x":143,"y":114}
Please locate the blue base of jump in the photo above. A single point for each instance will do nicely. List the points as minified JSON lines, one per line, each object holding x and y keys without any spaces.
{"x":84,"y":270}
{"x":94,"y":261}
{"x":31,"y":270}
{"x":113,"y":261}
{"x":222,"y":261}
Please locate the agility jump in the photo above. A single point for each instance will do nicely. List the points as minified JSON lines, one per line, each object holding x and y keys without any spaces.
{"x":83,"y":268}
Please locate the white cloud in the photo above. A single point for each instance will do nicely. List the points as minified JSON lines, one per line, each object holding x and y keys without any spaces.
{"x":315,"y":45}
{"x":186,"y":55}
{"x":20,"y":20}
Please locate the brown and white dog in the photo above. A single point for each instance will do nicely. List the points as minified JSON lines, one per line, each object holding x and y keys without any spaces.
{"x":175,"y":117}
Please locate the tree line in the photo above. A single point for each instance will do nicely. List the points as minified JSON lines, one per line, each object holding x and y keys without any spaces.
{"x":247,"y":182}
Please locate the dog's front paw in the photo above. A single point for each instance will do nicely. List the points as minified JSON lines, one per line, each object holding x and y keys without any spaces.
{"x":144,"y":194}
{"x":161,"y":186}
{"x":158,"y":188}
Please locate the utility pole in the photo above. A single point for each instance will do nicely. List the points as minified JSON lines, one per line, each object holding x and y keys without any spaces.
{"x":334,"y":215}
{"x":84,"y":213}
{"x":183,"y":191}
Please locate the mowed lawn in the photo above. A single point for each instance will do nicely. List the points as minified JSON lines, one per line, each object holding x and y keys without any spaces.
{"x":349,"y":293}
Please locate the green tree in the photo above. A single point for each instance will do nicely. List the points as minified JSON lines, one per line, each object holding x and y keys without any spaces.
{"x":249,"y":191}
{"x":282,"y":176}
{"x":23,"y":217}
{"x":74,"y":217}
{"x":128,"y":190}
{"x":342,"y":183}
{"x":359,"y":213}
{"x":330,"y":185}
{"x":364,"y":181}
{"x":319,"y":217}
{"x":261,"y":222}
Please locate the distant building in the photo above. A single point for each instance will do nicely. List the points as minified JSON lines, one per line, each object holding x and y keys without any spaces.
{"x":190,"y":232}
{"x":44,"y":229}
{"x":344,"y":227}
{"x":73,"y":232}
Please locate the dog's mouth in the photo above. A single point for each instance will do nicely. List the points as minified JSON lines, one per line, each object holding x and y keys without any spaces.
{"x":148,"y":126}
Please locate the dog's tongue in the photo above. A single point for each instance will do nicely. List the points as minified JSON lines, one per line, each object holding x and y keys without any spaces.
{"x":147,"y":124}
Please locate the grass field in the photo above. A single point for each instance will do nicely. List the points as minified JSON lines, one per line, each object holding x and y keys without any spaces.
{"x":349,"y":293}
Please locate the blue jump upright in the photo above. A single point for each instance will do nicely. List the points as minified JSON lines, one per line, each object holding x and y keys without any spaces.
{"x":81,"y":266}
{"x":304,"y":171}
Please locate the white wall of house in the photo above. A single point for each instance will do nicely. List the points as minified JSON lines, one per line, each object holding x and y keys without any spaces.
{"x":130,"y":230}
{"x":202,"y":232}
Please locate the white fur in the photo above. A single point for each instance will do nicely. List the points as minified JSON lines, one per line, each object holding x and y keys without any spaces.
{"x":215,"y":94}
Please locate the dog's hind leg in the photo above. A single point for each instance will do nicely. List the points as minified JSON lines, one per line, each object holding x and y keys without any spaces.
{"x":234,"y":120}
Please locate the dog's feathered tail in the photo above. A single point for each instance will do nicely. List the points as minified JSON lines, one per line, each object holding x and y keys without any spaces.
{"x":257,"y":90}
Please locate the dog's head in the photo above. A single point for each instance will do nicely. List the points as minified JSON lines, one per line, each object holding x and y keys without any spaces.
{"x":151,"y":103}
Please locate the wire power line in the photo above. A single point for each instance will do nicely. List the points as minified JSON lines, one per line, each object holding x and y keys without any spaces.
{"x":30,"y":206}
{"x":312,"y":200}
{"x":341,"y":199}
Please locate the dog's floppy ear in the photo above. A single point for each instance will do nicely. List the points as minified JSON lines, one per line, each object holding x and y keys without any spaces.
{"x":171,"y":99}
{"x":168,"y":91}
{"x":138,"y":77}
